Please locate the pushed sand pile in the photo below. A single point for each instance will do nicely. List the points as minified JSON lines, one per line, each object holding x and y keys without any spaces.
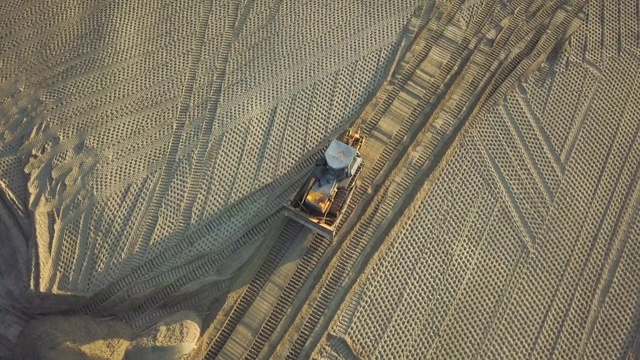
{"x":168,"y":340}
{"x":84,"y":337}
{"x":72,"y":337}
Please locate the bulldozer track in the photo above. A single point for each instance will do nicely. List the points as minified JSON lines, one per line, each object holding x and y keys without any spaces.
{"x":319,"y":245}
{"x":387,"y":203}
{"x":480,"y":70}
{"x":253,"y":289}
{"x":310,"y":259}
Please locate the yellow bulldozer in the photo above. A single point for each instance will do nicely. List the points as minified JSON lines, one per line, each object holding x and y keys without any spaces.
{"x":320,"y":202}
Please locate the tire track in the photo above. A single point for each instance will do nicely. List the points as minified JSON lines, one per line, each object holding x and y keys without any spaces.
{"x":144,"y":233}
{"x":204,"y":151}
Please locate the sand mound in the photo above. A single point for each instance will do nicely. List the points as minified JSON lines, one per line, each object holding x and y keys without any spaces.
{"x":170,"y":339}
{"x":72,"y":337}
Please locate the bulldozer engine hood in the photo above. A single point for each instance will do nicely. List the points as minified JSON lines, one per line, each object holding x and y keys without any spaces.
{"x":321,"y":191}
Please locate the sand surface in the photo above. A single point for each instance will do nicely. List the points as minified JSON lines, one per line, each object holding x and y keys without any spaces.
{"x":143,"y":145}
{"x":525,"y":243}
{"x":137,"y":139}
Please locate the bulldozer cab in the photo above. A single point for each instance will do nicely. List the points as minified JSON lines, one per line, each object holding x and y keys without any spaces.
{"x":320,"y":201}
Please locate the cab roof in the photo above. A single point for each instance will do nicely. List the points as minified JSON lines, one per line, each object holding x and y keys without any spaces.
{"x":339,"y":155}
